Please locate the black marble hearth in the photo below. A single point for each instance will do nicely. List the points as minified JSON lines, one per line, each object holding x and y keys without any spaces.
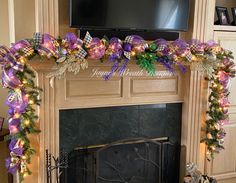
{"x":119,"y":144}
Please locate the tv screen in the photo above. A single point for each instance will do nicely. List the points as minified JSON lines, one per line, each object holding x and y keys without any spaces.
{"x":130,"y":14}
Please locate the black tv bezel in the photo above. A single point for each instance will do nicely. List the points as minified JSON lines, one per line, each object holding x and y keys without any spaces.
{"x":81,"y":27}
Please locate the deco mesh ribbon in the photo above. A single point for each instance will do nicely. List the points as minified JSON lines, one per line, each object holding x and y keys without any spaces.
{"x":71,"y":54}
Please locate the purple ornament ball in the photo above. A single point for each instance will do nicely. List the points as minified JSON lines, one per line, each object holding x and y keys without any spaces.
{"x":226,"y":62}
{"x":223,"y":77}
{"x":97,"y":52}
{"x":11,"y":111}
{"x":127,"y":47}
{"x":71,"y":37}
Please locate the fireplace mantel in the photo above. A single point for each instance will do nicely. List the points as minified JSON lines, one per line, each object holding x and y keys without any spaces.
{"x":84,"y":91}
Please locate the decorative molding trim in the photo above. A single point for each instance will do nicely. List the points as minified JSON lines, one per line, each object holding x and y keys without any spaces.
{"x":193,"y":115}
{"x":47,"y":16}
{"x":49,"y":137}
{"x":203,"y":20}
{"x":11,"y":13}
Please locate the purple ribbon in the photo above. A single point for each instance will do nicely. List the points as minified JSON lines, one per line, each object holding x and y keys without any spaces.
{"x":14,"y":125}
{"x":23,"y":45}
{"x":12,"y":167}
{"x":3,"y":52}
{"x":182,"y":68}
{"x":9,"y":78}
{"x":123,"y":67}
{"x":20,"y":45}
{"x":17,"y":100}
{"x":113,"y":70}
{"x":167,"y":64}
{"x":16,"y":147}
{"x":197,"y":47}
{"x":48,"y":46}
{"x":73,"y":41}
{"x":161,"y":44}
{"x":13,"y":62}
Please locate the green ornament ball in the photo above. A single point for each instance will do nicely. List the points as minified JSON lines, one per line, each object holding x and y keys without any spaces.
{"x":152,"y":47}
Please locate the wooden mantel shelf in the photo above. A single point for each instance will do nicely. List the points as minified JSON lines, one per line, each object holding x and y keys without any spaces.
{"x":39,"y":64}
{"x":47,"y":65}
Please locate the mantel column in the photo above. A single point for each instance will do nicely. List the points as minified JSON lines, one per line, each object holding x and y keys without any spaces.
{"x":203,"y":9}
{"x":194,"y":108}
{"x":47,"y":16}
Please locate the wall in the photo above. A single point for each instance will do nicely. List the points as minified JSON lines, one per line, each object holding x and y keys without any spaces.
{"x":17,"y":21}
{"x":24,"y":15}
{"x":4,"y":31}
{"x":22,"y":24}
{"x":4,"y":40}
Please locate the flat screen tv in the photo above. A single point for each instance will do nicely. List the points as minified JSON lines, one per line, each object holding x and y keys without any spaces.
{"x":168,"y":15}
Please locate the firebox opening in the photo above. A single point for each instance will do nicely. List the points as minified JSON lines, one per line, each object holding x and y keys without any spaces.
{"x":133,"y":144}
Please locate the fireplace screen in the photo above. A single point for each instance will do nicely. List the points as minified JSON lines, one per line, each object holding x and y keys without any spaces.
{"x":127,"y":161}
{"x":145,"y":157}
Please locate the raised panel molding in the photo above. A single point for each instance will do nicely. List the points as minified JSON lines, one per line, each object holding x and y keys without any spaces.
{"x":155,"y":86}
{"x":226,"y":156}
{"x":93,"y":88}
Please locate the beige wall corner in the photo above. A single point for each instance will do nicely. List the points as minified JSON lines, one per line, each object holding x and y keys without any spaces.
{"x":4,"y":31}
{"x":24,"y":17}
{"x":4,"y":40}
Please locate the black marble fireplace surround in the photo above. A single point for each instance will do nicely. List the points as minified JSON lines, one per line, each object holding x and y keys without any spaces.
{"x":127,"y":144}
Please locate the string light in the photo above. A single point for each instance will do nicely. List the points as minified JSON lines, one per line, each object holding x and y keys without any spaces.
{"x":14,"y":129}
{"x":22,"y":60}
{"x":112,"y":47}
{"x":46,"y":44}
{"x":17,"y":90}
{"x":22,"y":142}
{"x":16,"y":115}
{"x":215,"y":85}
{"x":24,"y":81}
{"x":31,"y":102}
{"x":26,"y":122}
{"x":25,"y":174}
{"x":194,"y":58}
{"x":138,"y":48}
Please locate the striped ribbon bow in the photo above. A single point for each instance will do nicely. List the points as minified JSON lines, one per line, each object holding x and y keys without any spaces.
{"x":87,"y":39}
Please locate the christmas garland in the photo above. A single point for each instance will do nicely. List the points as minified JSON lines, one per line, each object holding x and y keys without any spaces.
{"x":71,"y":53}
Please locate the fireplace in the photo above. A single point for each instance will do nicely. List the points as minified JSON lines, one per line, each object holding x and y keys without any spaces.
{"x":77,"y":92}
{"x":133,"y":144}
